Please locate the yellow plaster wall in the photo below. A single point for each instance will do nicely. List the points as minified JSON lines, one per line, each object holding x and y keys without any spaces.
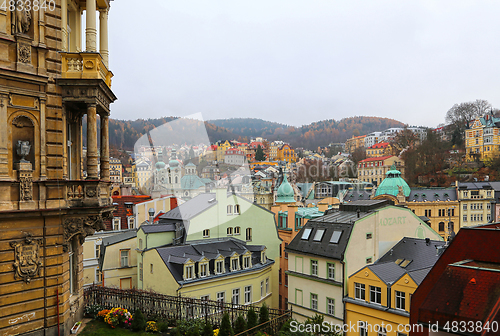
{"x":112,"y":271}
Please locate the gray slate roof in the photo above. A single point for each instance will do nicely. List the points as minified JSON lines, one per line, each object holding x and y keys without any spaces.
{"x":174,"y":257}
{"x":156,"y":228}
{"x":432,"y":194}
{"x":191,"y":208}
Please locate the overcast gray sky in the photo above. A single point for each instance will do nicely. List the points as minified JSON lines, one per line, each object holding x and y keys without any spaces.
{"x":297,"y":62}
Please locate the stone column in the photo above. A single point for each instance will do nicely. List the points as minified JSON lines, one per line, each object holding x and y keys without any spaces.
{"x":105,"y":148}
{"x":91,"y":30}
{"x":103,"y":36}
{"x":4,"y":153}
{"x":43,"y":140}
{"x":92,"y":172}
{"x":64,"y":25}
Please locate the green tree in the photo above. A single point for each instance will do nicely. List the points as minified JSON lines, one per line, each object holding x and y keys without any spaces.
{"x":263,"y":314}
{"x":225,"y":326}
{"x":251,"y":318}
{"x":240,"y":325}
{"x":138,"y":321}
{"x":208,"y":330}
{"x":259,"y":154}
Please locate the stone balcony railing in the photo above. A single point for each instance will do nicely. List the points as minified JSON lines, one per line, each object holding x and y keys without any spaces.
{"x":88,"y":193}
{"x":85,"y":65}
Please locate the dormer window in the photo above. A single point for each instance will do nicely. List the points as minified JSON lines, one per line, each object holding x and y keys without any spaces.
{"x":219,"y":266}
{"x":204,"y":269}
{"x":247,"y":262}
{"x":188,"y":272}
{"x":235,"y":264}
{"x":263,"y":257}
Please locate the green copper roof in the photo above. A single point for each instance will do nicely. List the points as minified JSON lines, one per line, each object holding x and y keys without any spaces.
{"x":285,"y":192}
{"x":390,"y":185}
{"x":173,"y":159}
{"x":309,"y":212}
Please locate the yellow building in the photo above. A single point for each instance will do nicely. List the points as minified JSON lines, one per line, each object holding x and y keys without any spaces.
{"x":439,"y":205}
{"x":374,"y":169}
{"x":476,"y":202}
{"x":379,"y":294}
{"x":115,"y":170}
{"x":287,"y":153}
{"x":222,"y":147}
{"x":225,"y":270}
{"x":118,"y":261}
{"x":273,"y":150}
{"x":482,"y":138}
{"x":354,"y":142}
{"x":379,"y":149}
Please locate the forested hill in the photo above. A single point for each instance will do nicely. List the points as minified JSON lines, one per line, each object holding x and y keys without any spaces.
{"x":124,"y":133}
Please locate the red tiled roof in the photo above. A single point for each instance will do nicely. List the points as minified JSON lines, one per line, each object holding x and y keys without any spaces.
{"x":471,"y":243}
{"x":379,"y":145}
{"x":376,"y":158}
{"x":464,"y":294}
{"x":122,"y":211}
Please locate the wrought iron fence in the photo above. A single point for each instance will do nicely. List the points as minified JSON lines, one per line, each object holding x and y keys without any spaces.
{"x":270,"y":327}
{"x":168,"y":307}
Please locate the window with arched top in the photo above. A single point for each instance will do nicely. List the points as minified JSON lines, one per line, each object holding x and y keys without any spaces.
{"x":229,"y":231}
{"x":229,"y":209}
{"x":237,"y":209}
{"x":176,"y":179}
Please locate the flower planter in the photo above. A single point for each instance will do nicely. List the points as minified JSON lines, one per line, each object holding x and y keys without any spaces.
{"x":75,"y":328}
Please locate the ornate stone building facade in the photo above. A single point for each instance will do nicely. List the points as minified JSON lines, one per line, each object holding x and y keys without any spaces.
{"x":47,"y":86}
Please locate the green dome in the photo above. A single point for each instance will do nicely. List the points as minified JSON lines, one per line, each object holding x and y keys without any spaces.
{"x":285,"y":192}
{"x":160,"y":165}
{"x":390,"y":185}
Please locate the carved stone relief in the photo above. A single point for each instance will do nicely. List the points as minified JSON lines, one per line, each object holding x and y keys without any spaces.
{"x":24,"y":53}
{"x":27,"y":257}
{"x":21,"y":21}
{"x":26,"y":185}
{"x":82,"y":226}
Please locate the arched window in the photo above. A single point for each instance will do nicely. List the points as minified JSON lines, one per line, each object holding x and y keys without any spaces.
{"x":176,"y":179}
{"x":441,"y":226}
{"x":237,"y":230}
{"x":229,"y":231}
{"x":237,"y":209}
{"x":229,"y":209}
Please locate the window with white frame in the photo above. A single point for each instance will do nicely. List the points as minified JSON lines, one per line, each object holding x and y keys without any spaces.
{"x":331,"y":271}
{"x":247,"y":263}
{"x":314,"y":267}
{"x":221,"y":297}
{"x":375,"y":294}
{"x":124,"y":256}
{"x":236,"y":296}
{"x":229,"y":231}
{"x":330,"y":306}
{"x":248,"y":294}
{"x":363,"y":328}
{"x":359,"y":291}
{"x":229,"y":209}
{"x":262,"y":289}
{"x":206,"y":233}
{"x":203,"y":269}
{"x":237,"y":209}
{"x":189,"y":272}
{"x":267,"y":285}
{"x":400,"y":300}
{"x":219,"y":266}
{"x":237,"y":230}
{"x":205,"y":297}
{"x":131,"y":222}
{"x":314,"y":301}
{"x":116,"y":223}
{"x":235,"y":264}
{"x":97,"y":250}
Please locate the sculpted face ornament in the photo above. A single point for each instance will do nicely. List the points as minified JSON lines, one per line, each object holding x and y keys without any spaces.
{"x":23,"y":150}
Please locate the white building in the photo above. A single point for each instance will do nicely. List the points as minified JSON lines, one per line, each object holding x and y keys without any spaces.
{"x":371,"y":139}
